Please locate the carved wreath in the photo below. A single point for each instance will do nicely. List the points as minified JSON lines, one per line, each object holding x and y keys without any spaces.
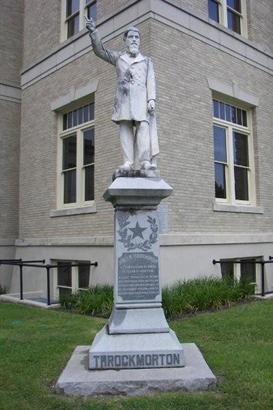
{"x":126,"y":237}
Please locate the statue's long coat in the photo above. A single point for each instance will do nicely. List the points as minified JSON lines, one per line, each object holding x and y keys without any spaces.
{"x":135,"y":87}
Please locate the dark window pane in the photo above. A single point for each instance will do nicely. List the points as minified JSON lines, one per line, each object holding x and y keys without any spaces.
{"x":64,"y":274}
{"x":85,"y":113}
{"x":70,"y":187}
{"x":72,"y":6}
{"x":228,"y":113}
{"x":92,"y":11}
{"x":220,"y":181}
{"x":84,"y":272}
{"x":72,"y":26}
{"x":69,"y":152}
{"x":63,"y":292}
{"x":91,"y":111}
{"x":65,"y":122}
{"x":240,"y":149}
{"x":75,"y":119}
{"x":248,"y":271}
{"x":244,"y":118}
{"x":234,"y":22}
{"x":241,"y":183}
{"x":222,"y":111}
{"x":227,"y":270}
{"x":80,"y":115}
{"x":69,"y":120}
{"x":235,"y":4}
{"x":213,"y":10}
{"x":89,"y":183}
{"x":88,"y":146}
{"x":220,"y":152}
{"x":233,"y":115}
{"x":216,"y":106}
{"x":239,"y":116}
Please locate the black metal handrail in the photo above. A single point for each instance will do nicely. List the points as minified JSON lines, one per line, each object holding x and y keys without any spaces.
{"x":253,"y":262}
{"x":37,"y":264}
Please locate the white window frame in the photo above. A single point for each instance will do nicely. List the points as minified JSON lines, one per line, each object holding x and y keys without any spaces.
{"x":82,"y":14}
{"x":80,"y":167}
{"x":230,"y":180}
{"x":74,"y":277}
{"x":223,"y":15}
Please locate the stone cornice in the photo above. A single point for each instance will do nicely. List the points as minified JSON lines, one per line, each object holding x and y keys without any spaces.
{"x":7,"y":242}
{"x":10,"y":93}
{"x":171,"y":239}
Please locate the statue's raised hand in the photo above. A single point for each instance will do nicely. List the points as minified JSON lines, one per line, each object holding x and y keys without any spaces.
{"x":90,"y":24}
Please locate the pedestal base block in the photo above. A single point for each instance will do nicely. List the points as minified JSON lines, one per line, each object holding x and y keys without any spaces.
{"x":132,"y":351}
{"x":150,"y":320}
{"x":78,"y":380}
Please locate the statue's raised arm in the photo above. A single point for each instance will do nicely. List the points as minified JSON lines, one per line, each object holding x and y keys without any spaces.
{"x":134,"y":103}
{"x":106,"y":54}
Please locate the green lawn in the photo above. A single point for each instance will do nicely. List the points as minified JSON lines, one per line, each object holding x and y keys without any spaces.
{"x":237,"y":343}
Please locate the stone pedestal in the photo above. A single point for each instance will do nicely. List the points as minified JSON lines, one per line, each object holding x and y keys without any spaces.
{"x":136,"y":353}
{"x":137,"y":334}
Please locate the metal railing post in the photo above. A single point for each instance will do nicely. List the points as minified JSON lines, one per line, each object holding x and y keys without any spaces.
{"x":48,"y":283}
{"x":21,"y":282}
{"x":262,"y":279}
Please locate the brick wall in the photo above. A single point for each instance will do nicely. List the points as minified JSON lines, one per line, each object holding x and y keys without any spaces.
{"x":182,"y":66}
{"x":185,"y":125}
{"x":9,"y":158}
{"x":260,"y":17}
{"x":11,"y":30}
{"x":42,"y":24}
{"x":106,"y":7}
{"x":42,"y":29}
{"x":39,"y":147}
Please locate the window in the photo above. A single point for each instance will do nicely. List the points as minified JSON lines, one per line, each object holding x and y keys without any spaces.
{"x":91,"y":9}
{"x":214,"y":6}
{"x":73,"y":12}
{"x":230,"y":13}
{"x":71,"y":276}
{"x":76,"y":170}
{"x":72,"y":17}
{"x":233,"y":154}
{"x":245,"y":269}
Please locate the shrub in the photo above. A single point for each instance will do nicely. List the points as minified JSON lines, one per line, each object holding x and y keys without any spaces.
{"x":189,"y":296}
{"x":2,"y":290}
{"x":96,"y":301}
{"x":203,"y":294}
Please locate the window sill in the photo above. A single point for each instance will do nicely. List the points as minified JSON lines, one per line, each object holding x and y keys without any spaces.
{"x":73,"y":211}
{"x":248,"y":209}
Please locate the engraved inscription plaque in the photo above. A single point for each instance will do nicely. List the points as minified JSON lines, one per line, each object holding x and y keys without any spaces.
{"x":138,"y":276}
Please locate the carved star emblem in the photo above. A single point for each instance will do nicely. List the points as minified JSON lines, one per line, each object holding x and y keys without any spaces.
{"x":137,"y":231}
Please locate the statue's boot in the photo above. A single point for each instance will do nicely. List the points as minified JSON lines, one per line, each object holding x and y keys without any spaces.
{"x":148,"y":166}
{"x":126,"y":167}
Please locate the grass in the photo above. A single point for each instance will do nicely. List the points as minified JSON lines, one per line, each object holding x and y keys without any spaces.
{"x":237,"y":344}
{"x":189,"y":296}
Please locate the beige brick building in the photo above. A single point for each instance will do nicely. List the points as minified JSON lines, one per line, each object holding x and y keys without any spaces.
{"x":214,"y":66}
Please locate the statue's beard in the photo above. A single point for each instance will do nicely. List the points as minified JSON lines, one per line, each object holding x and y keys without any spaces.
{"x":133,"y":49}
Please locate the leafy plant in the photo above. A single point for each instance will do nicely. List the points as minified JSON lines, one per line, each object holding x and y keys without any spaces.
{"x":203,"y":294}
{"x":185,"y":297}
{"x":96,"y":301}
